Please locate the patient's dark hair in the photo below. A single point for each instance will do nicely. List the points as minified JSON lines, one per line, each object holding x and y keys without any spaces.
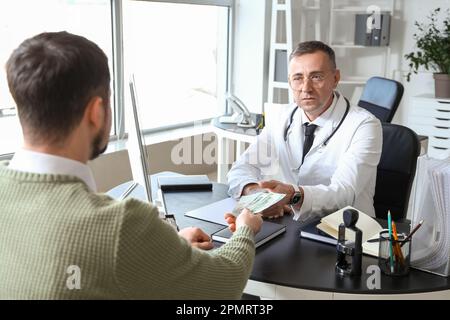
{"x":312,"y":47}
{"x":52,"y":77}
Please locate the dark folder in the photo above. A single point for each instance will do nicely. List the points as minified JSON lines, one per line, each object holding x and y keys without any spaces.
{"x":269,"y":230}
{"x":184,"y":183}
{"x":311,"y":232}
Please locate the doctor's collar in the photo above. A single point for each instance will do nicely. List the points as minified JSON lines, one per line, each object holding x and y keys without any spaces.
{"x":294,"y":111}
{"x":321,"y":120}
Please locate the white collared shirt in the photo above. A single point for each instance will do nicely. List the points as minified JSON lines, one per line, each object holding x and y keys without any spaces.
{"x":297,"y":136}
{"x":43,"y":163}
{"x":323,"y":118}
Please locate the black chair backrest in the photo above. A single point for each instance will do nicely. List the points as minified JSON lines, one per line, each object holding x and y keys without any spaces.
{"x":381,"y":97}
{"x":396,"y":170}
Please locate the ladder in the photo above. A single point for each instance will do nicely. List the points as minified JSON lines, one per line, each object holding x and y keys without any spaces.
{"x":279,"y":51}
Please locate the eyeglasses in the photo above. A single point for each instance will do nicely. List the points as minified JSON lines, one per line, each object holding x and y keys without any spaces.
{"x":298,"y":81}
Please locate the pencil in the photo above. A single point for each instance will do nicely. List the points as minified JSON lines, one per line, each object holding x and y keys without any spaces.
{"x":391,"y":257}
{"x":397,"y":248}
{"x":414,"y":230}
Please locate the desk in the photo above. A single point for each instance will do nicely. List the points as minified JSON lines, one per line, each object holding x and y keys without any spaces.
{"x":289,"y":267}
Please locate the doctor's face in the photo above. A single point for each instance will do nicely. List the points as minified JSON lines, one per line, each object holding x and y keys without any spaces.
{"x":313,"y":78}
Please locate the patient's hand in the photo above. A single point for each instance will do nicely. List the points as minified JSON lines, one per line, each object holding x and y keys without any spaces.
{"x":245,"y":218}
{"x":197,"y":238}
{"x":231,"y":220}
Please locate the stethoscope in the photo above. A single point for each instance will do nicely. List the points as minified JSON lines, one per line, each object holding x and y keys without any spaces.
{"x":291,"y":119}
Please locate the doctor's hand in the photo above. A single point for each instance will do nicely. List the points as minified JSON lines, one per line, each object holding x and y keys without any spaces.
{"x":281,"y":207}
{"x":196,"y":237}
{"x":252,"y":188}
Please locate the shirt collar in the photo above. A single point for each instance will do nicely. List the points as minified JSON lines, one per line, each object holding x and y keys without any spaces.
{"x":44,"y":163}
{"x":323,"y":118}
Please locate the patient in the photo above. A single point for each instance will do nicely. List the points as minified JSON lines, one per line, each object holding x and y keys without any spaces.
{"x":59,"y":239}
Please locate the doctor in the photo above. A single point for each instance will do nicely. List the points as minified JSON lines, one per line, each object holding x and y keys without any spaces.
{"x":321,"y":151}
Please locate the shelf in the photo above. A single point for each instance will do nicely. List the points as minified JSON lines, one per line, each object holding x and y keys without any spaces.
{"x":430,"y":96}
{"x":348,"y":46}
{"x":358,"y":9}
{"x":351,"y":82}
{"x":281,"y":85}
{"x":310,"y":8}
{"x":358,"y":62}
{"x":280,"y":46}
{"x":354,"y":80}
{"x":354,"y":46}
{"x":281,"y":7}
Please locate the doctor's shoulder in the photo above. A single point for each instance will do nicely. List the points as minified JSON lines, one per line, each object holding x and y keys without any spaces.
{"x":363,"y":114}
{"x":359,"y":116}
{"x":364,"y":122}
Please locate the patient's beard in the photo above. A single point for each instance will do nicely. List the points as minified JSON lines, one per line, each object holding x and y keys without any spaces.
{"x":97,"y":149}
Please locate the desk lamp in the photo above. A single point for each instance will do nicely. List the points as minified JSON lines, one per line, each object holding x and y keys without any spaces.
{"x":241,"y":116}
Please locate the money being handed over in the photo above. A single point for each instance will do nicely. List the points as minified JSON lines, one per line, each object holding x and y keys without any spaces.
{"x":257,"y":202}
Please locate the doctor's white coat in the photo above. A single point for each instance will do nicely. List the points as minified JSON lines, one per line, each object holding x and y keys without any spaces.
{"x":340,"y":173}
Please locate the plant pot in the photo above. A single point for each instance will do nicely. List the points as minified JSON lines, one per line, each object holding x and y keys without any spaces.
{"x":442,"y":85}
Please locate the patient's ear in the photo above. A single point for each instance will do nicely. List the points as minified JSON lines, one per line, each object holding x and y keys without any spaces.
{"x":95,"y":113}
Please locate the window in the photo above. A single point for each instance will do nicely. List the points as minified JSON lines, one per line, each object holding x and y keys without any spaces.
{"x":177,"y":51}
{"x":21,"y":19}
{"x":178,"y":55}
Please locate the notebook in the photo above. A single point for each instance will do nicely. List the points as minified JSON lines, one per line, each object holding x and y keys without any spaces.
{"x":184,"y":183}
{"x":269,"y":230}
{"x":326,"y":230}
{"x":214,"y":212}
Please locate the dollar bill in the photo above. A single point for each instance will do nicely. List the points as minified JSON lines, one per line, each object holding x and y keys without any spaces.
{"x":258,"y":202}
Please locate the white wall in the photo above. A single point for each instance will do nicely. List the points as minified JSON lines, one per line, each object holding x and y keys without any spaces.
{"x":402,"y":42}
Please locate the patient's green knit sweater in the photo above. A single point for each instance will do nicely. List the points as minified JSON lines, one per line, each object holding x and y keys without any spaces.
{"x":58,"y":240}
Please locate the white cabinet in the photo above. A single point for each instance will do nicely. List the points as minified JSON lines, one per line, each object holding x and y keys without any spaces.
{"x":430,"y":117}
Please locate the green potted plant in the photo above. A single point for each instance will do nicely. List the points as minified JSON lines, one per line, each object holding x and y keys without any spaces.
{"x":433,"y":44}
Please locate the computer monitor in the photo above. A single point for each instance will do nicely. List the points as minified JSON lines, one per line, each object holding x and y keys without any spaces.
{"x":137,"y":150}
{"x":139,"y":160}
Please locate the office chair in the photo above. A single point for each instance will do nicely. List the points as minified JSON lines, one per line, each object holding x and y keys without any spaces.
{"x":381,"y":97}
{"x":396,"y":170}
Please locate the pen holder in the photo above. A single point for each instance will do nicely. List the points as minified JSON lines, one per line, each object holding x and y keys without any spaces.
{"x":394,"y":255}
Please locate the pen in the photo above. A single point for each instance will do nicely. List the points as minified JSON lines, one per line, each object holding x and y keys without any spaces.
{"x":412,"y":232}
{"x":397,"y":248}
{"x":391,"y":258}
{"x":378,"y":239}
